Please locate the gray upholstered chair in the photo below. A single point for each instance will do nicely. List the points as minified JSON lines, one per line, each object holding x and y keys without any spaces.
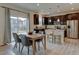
{"x":17,"y":40}
{"x":25,"y":42}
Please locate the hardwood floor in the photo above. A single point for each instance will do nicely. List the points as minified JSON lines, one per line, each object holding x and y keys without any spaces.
{"x":70,"y":47}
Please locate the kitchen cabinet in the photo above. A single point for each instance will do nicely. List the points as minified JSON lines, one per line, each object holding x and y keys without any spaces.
{"x":36,"y":19}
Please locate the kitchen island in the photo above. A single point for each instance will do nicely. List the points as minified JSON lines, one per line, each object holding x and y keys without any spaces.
{"x":56,"y":32}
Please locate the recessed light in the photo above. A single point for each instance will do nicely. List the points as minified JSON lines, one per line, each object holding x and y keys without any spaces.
{"x":58,"y":10}
{"x":50,"y":8}
{"x":48,"y":12}
{"x":72,"y":8}
{"x":70,"y":3}
{"x":37,"y":4}
{"x":42,"y":10}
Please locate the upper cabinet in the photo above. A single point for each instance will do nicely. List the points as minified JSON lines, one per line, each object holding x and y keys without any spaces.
{"x":45,"y":20}
{"x":54,"y":20}
{"x":73,"y":16}
{"x":36,"y":19}
{"x":62,"y":19}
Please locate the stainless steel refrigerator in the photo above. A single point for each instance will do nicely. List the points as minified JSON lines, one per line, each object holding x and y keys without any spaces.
{"x":72,"y":28}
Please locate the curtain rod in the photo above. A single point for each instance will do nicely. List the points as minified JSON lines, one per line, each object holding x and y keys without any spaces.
{"x":13,"y":9}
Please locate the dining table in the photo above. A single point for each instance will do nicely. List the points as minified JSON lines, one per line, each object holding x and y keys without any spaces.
{"x":34,"y":37}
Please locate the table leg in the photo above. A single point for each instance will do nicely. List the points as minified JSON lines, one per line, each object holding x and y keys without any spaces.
{"x":52,"y":38}
{"x":33,"y":47}
{"x":45,"y":43}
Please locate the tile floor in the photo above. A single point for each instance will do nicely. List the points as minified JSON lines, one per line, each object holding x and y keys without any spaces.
{"x":70,"y":47}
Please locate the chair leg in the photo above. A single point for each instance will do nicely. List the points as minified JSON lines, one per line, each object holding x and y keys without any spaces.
{"x":22,"y":48}
{"x":19,"y":47}
{"x":52,"y":39}
{"x":42,"y":43}
{"x":28,"y":50}
{"x":15,"y":45}
{"x":38,"y":45}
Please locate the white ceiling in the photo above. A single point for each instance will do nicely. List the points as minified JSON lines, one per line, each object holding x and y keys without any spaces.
{"x":49,"y":8}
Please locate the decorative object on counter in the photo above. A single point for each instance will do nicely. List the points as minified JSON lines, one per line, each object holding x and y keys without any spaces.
{"x":58,"y":27}
{"x":30,"y":33}
{"x":36,"y":26}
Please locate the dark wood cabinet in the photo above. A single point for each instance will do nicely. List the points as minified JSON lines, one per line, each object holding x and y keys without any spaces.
{"x":63,"y":19}
{"x":36,"y":19}
{"x":53,"y":20}
{"x":78,"y":28}
{"x":45,"y":20}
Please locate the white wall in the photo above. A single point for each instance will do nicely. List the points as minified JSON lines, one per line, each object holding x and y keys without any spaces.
{"x":2,"y":23}
{"x":40,"y":19}
{"x":31,"y":21}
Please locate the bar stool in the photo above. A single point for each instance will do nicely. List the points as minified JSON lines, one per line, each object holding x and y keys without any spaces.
{"x":52,"y":37}
{"x":56,"y":38}
{"x":49,"y":33}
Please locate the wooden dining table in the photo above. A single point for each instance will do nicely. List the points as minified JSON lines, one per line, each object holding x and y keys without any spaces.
{"x":35,"y":37}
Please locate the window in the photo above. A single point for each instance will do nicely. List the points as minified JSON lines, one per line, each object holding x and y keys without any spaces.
{"x":19,"y":23}
{"x":40,"y":21}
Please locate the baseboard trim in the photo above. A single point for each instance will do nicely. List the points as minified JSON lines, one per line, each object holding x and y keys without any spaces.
{"x":72,"y":38}
{"x":3,"y":45}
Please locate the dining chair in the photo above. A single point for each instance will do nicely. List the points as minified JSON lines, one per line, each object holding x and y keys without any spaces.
{"x":25,"y":42}
{"x":40,"y":39}
{"x":57,"y":38}
{"x":17,"y":40}
{"x":52,"y":37}
{"x":49,"y":33}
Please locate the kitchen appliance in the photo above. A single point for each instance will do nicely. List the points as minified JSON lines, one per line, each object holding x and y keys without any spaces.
{"x":72,"y":28}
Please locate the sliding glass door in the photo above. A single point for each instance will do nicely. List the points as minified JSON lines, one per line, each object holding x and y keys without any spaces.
{"x":19,"y":23}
